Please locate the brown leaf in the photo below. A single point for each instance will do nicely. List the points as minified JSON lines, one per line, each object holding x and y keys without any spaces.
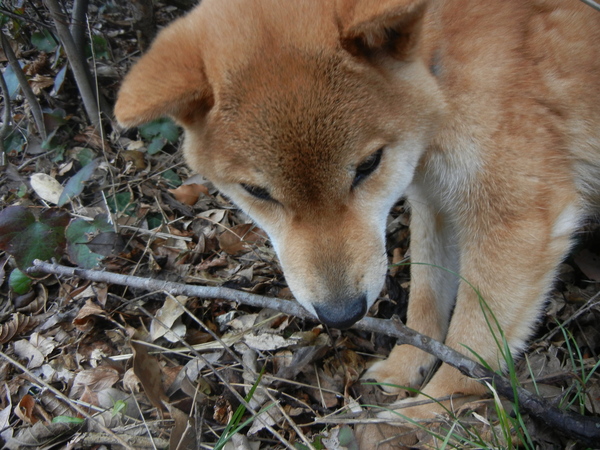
{"x":24,"y":410}
{"x":40,"y":435}
{"x":222,"y":411}
{"x":85,"y":317}
{"x":17,"y":325}
{"x":183,"y":434}
{"x":40,"y":82}
{"x":147,"y":370}
{"x":95,"y":380}
{"x":188,"y":194}
{"x":135,"y":157}
{"x":240,"y":238}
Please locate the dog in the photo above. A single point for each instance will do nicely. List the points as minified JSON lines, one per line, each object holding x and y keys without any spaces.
{"x":316,"y":116}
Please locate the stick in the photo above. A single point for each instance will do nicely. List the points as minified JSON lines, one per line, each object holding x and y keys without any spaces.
{"x":84,"y":84}
{"x":582,"y":428}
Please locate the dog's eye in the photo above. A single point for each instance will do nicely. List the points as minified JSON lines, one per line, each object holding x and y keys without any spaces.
{"x":257,"y":192}
{"x":367,"y":167}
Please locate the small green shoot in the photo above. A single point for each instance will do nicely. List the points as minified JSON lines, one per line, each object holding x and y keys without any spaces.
{"x":235,"y":423}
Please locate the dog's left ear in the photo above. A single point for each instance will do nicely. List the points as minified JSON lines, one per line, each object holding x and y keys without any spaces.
{"x":373,"y":27}
{"x":169,"y":80}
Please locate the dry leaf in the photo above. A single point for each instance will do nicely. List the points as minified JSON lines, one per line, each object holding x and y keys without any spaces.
{"x":222,"y":411}
{"x":24,"y":410}
{"x":147,"y":370}
{"x":183,"y":434}
{"x":18,"y":324}
{"x":46,"y":187}
{"x":85,"y":317}
{"x":95,"y":380}
{"x":168,"y":315}
{"x":188,"y":194}
{"x":40,"y":82}
{"x":241,"y":238}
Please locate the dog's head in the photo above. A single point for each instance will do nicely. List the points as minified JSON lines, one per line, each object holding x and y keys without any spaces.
{"x":311,"y":115}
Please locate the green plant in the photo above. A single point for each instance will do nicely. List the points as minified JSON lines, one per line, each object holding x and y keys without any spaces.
{"x":235,"y":423}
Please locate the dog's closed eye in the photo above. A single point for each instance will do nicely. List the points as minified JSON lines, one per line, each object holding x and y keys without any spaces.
{"x":258,"y":192}
{"x":367,"y":167}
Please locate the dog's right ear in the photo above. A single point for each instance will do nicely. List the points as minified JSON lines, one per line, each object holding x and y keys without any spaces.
{"x":169,"y":80}
{"x":370,"y":27}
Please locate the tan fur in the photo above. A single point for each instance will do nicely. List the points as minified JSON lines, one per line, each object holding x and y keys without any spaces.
{"x":488,"y":113}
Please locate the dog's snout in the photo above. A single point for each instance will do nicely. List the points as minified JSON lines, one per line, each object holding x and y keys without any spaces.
{"x":342,"y":313}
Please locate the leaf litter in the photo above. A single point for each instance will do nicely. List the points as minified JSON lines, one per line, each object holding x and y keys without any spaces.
{"x":161,"y":371}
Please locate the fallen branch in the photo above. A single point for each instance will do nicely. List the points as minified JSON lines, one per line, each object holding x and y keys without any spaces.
{"x":584,"y":429}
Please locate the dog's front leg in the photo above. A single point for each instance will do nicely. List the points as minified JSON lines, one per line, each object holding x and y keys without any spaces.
{"x":508,"y":266}
{"x":434,"y":255}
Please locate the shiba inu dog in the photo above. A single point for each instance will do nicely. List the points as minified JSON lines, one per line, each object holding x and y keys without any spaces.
{"x":316,"y":116}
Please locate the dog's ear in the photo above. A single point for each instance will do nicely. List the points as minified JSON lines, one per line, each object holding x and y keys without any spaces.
{"x":169,"y":80}
{"x":371,"y":27}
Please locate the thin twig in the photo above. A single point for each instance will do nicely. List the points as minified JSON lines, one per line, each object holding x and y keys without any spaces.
{"x":34,"y":105}
{"x":584,"y":429}
{"x":592,"y":4}
{"x":78,"y":64}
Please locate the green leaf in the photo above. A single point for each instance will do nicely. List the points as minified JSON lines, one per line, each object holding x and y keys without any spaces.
{"x":67,"y":419}
{"x":121,"y":202}
{"x":119,"y":406}
{"x":347,"y":438}
{"x":75,"y":185}
{"x":84,"y":155}
{"x":14,"y":143}
{"x":154,"y":220}
{"x":79,"y":233}
{"x":156,"y":145}
{"x":100,"y":46}
{"x":172,"y":178}
{"x":164,"y":127}
{"x":19,"y":282}
{"x":26,"y":238}
{"x":44,"y":41}
{"x":12,"y":82}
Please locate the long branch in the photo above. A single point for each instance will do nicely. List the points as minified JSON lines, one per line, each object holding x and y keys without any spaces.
{"x":582,"y":428}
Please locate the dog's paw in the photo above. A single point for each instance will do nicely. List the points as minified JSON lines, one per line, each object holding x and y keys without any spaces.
{"x":406,"y":367}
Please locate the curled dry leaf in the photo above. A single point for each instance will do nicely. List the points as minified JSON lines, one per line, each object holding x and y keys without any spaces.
{"x":86,"y":316}
{"x":131,"y":382}
{"x":167,"y":319}
{"x":24,"y":410}
{"x":35,"y":350}
{"x":188,"y":194}
{"x":18,"y":324}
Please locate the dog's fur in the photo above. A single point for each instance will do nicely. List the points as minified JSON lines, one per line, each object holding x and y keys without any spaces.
{"x":488,"y":114}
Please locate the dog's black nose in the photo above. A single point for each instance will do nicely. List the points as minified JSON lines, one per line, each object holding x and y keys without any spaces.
{"x":342,"y":313}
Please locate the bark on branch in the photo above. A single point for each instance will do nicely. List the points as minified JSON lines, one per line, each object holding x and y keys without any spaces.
{"x":584,"y":429}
